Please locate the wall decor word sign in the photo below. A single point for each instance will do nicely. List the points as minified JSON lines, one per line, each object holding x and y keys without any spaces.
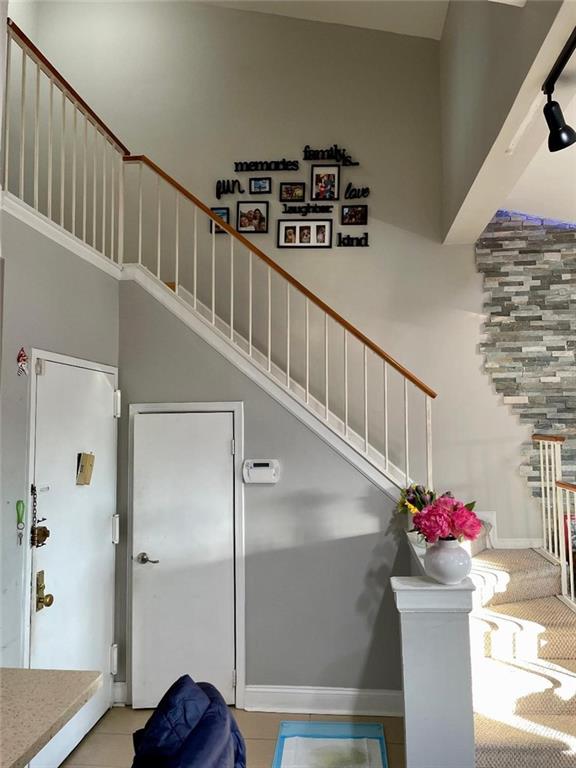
{"x":253,"y":166}
{"x":354,"y":193}
{"x":325,"y":182}
{"x":349,"y":241}
{"x":309,"y":233}
{"x":252,"y":216}
{"x":228,"y":187}
{"x":334,"y":153}
{"x":306,"y":208}
{"x":224,"y":214}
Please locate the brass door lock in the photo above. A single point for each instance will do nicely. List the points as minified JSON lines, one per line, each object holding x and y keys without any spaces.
{"x":38,"y":535}
{"x":42,"y":600}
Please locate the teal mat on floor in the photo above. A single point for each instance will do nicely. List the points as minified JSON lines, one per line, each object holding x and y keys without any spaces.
{"x":313,"y":744}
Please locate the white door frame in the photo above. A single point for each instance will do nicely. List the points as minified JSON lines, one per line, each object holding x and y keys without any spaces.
{"x":75,"y":362}
{"x":237,"y":411}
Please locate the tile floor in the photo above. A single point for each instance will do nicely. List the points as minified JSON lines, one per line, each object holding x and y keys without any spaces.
{"x":109,"y":743}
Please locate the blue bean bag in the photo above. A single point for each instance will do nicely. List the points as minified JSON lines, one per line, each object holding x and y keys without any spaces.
{"x":192,"y":727}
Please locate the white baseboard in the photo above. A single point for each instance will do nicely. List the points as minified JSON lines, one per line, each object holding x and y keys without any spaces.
{"x":323,"y":701}
{"x":119,"y":694}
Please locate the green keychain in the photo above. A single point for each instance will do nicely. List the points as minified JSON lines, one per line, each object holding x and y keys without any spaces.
{"x":20,"y":509}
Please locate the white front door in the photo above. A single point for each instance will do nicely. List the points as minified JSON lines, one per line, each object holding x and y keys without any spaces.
{"x":74,"y":413}
{"x":183,"y":518}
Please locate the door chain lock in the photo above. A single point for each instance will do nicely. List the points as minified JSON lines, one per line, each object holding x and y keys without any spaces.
{"x":38,"y":533}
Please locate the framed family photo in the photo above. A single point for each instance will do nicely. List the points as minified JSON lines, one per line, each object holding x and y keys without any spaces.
{"x":292,"y":191}
{"x":325,"y":182}
{"x":224,"y":214}
{"x":261,"y":185}
{"x":304,"y":233}
{"x":354,"y":215}
{"x":252,"y":216}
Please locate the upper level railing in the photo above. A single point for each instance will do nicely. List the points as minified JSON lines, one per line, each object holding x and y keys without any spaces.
{"x":58,"y":155}
{"x":64,"y":161}
{"x":558,"y":500}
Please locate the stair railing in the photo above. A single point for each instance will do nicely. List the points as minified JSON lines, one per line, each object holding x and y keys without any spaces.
{"x":566,"y":493}
{"x":558,"y":504}
{"x":59,"y":157}
{"x":63,"y":161}
{"x":294,"y":337}
{"x":550,"y":447}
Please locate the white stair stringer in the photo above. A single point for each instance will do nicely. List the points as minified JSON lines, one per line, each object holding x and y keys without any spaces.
{"x":370,"y":463}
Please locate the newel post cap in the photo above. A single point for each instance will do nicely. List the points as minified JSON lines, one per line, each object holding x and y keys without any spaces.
{"x":415,"y":594}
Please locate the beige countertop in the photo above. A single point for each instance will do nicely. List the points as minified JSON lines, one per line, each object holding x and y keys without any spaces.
{"x":34,"y":705}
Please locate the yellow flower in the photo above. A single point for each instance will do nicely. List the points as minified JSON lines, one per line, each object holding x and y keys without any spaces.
{"x":411,"y":508}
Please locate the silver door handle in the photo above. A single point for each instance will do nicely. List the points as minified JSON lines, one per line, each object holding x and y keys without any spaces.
{"x":143,"y":558}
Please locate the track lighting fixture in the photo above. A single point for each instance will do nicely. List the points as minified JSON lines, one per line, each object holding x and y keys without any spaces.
{"x":560,"y":135}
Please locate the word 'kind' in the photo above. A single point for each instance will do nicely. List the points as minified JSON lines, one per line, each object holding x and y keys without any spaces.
{"x":349,"y":241}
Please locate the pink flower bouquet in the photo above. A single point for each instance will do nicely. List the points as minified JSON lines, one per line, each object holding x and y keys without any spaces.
{"x":447,"y":518}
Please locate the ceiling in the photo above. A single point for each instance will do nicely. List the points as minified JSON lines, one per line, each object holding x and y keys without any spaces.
{"x":421,"y":18}
{"x":547,"y":188}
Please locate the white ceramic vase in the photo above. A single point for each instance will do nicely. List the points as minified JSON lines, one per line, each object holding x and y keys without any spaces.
{"x":447,"y":562}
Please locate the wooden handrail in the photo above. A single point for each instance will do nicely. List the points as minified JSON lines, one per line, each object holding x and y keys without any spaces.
{"x":37,"y":53}
{"x":566,"y":486}
{"x":539,"y":438}
{"x":286,"y":275}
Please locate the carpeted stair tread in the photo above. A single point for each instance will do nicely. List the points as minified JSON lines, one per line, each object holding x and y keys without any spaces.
{"x":524,"y":687}
{"x":511,"y":575}
{"x":533,"y":741}
{"x":541,"y":628}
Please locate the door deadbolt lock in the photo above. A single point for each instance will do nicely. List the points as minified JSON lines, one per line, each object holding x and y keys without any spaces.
{"x":43,"y":600}
{"x":38,"y":535}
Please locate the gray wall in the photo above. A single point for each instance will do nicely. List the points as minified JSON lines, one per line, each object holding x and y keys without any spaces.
{"x":319,"y":609}
{"x":198,"y":87}
{"x":487,"y":50}
{"x":53,"y":301}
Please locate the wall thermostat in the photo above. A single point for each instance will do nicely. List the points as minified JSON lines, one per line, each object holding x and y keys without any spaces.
{"x":261,"y":471}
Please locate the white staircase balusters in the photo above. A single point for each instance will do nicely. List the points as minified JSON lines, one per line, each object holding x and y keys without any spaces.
{"x":558,"y":504}
{"x":566,"y":495}
{"x":58,"y":156}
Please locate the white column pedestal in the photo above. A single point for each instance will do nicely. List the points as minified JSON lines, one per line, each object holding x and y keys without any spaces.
{"x":439,"y":719}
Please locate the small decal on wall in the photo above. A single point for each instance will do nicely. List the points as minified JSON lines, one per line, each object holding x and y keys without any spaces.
{"x":22,"y":361}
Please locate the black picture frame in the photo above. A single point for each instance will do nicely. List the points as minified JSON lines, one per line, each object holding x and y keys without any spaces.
{"x":353,"y":215}
{"x":224,"y":213}
{"x":243,"y":210}
{"x":256,"y":182}
{"x":329,"y":188}
{"x":304,"y":233}
{"x":285,"y":185}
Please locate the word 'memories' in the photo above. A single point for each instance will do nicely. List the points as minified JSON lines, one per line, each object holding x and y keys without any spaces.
{"x":248,"y":166}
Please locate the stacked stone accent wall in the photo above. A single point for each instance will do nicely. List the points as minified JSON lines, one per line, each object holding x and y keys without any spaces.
{"x":529,"y":271}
